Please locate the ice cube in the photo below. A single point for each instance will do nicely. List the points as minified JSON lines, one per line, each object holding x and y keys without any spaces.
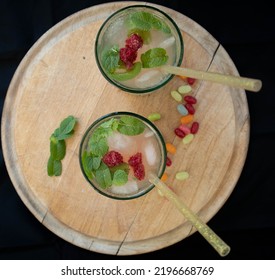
{"x":129,"y":188}
{"x":150,"y":153}
{"x":167,"y":43}
{"x":148,"y":78}
{"x":119,"y":142}
{"x":148,"y":133}
{"x":110,"y":35}
{"x":123,"y":144}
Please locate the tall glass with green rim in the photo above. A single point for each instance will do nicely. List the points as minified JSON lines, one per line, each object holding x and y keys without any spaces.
{"x":119,"y":151}
{"x":138,"y":70}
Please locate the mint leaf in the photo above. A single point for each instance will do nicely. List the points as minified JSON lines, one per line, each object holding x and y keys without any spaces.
{"x":98,"y":144}
{"x":156,"y":23}
{"x":61,"y":136}
{"x":50,"y":166}
{"x":129,"y":125}
{"x":57,"y":148}
{"x":120,"y":178}
{"x":146,"y":21}
{"x":165,"y":28}
{"x":103,"y":176}
{"x":141,"y":20}
{"x":58,"y":145}
{"x":96,"y":162}
{"x":127,"y":75}
{"x":101,"y":132}
{"x":123,"y":166}
{"x":54,"y":167}
{"x":86,"y":159}
{"x":65,"y":129}
{"x":115,"y":124}
{"x":160,"y":25}
{"x":154,"y":57}
{"x":100,"y":147}
{"x":107,"y":128}
{"x":110,"y":59}
{"x":67,"y":125}
{"x":60,"y":150}
{"x":90,"y":164}
{"x":56,"y":132}
{"x":108,"y":124}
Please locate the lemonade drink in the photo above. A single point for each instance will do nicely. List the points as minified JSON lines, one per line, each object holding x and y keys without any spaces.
{"x":134,"y":43}
{"x":119,"y":151}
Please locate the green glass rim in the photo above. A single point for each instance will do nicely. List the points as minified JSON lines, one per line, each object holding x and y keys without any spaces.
{"x":148,"y":124}
{"x":125,"y":88}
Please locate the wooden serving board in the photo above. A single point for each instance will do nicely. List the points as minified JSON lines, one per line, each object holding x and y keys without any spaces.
{"x":59,"y":77}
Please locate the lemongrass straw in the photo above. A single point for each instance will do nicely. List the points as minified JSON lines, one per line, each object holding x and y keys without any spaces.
{"x":234,"y":81}
{"x":218,"y":244}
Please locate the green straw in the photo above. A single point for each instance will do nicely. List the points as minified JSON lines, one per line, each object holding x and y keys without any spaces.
{"x":217,"y":243}
{"x":234,"y":81}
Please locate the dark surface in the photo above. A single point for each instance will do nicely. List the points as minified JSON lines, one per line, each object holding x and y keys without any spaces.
{"x":246,"y":221}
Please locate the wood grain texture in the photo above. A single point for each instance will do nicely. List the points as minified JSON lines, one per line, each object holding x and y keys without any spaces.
{"x":59,"y":77}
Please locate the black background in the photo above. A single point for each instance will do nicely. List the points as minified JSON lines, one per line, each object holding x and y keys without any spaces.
{"x":246,"y":222}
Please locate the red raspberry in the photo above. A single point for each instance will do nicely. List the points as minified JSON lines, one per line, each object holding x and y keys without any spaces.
{"x":128,"y":56}
{"x":135,"y":160}
{"x":134,"y":42}
{"x":112,"y":158}
{"x":139,"y":171}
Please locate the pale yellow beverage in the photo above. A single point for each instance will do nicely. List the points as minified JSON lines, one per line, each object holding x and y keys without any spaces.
{"x":119,"y":151}
{"x":138,"y":69}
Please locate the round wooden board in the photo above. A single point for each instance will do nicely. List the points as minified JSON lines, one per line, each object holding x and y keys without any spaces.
{"x":59,"y":77}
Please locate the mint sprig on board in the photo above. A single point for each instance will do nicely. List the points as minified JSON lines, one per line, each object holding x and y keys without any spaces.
{"x":58,"y":145}
{"x":65,"y":129}
{"x":54,"y":167}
